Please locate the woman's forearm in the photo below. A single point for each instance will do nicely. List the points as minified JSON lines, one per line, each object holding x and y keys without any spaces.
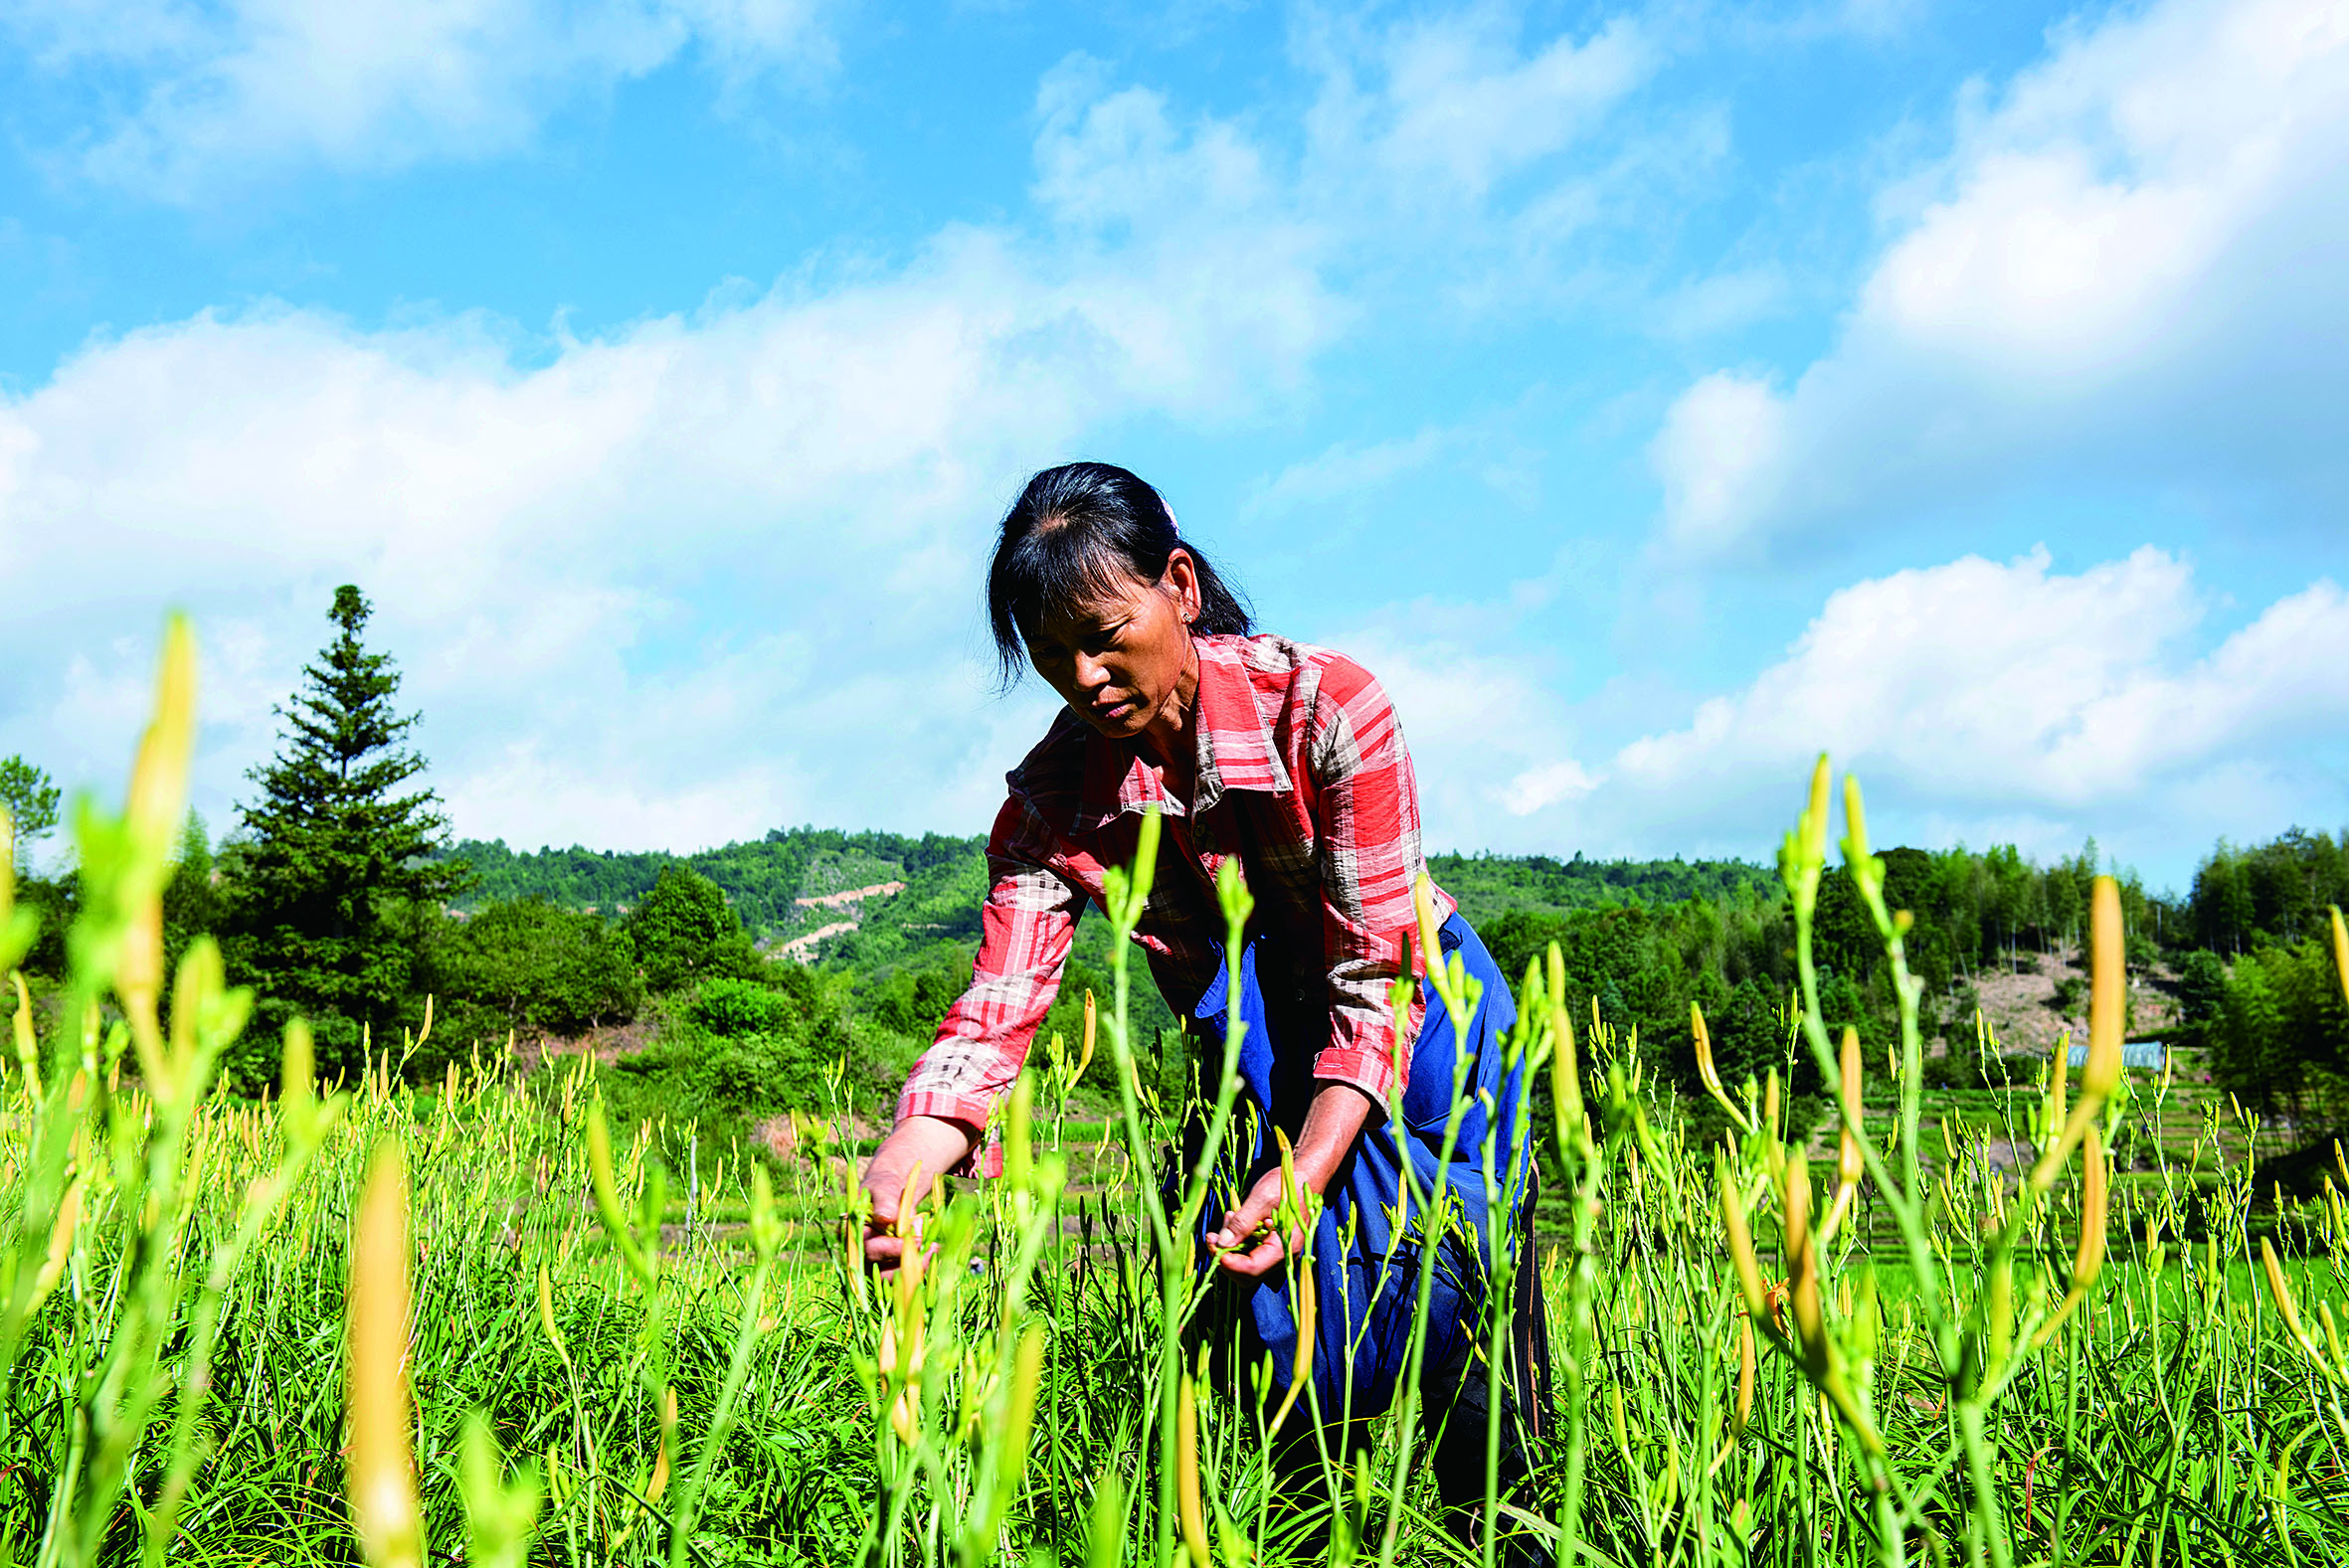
{"x":1334,"y":1119}
{"x":931,"y":1145}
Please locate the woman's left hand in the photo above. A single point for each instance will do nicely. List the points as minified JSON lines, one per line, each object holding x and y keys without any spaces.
{"x":1239,"y":1247}
{"x":1332,"y":1122}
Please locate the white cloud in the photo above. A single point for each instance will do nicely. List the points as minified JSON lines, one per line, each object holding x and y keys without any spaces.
{"x":1457,"y":108}
{"x":1463,"y":141}
{"x":2131,"y":263}
{"x":1111,"y":158}
{"x":222,"y":90}
{"x":187,"y":97}
{"x":1720,"y":451}
{"x":1442,"y":140}
{"x":1979,"y":699}
{"x":685,"y":580}
{"x":1547,"y":786}
{"x":691,"y":577}
{"x":1491,"y":739}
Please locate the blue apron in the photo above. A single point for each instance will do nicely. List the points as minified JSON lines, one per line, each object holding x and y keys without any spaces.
{"x":1365,"y":1295}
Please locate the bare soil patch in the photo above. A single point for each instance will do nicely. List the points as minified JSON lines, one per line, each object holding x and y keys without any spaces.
{"x":609,"y":1044}
{"x":2021,"y":1001}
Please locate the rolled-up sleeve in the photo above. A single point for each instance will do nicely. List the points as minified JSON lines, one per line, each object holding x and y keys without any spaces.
{"x":1369,"y":817}
{"x":1026,"y":928}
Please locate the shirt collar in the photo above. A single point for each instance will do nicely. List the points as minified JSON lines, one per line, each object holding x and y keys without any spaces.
{"x":1236,"y":749}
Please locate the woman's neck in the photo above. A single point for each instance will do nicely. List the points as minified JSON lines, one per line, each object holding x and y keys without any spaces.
{"x":1171,"y":742}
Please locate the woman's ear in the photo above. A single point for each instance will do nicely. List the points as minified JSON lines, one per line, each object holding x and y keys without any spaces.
{"x":1182,"y":581}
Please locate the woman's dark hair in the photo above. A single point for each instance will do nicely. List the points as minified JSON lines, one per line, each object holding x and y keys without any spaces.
{"x":1076,"y":534}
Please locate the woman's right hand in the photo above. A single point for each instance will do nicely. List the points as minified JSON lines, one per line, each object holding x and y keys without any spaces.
{"x":901,"y":1170}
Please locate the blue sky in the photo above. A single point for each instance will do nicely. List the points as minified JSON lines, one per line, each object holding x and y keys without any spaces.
{"x":1650,"y":395}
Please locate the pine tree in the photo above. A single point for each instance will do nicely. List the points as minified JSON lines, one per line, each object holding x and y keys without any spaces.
{"x":29,"y":797}
{"x":191,"y":900}
{"x":335,"y":886}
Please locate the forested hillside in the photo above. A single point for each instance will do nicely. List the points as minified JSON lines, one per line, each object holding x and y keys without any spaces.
{"x":760,"y":878}
{"x":776,"y":973}
{"x":1486,"y":885}
{"x":2232,"y":969}
{"x":2278,"y":891}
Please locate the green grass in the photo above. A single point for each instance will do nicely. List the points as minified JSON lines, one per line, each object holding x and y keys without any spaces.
{"x":798,"y":1478}
{"x":2088,"y":1462}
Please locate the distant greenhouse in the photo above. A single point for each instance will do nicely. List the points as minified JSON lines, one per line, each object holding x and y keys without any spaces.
{"x":2136,"y":1052}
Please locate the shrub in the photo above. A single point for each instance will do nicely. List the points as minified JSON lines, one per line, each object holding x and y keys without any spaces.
{"x":527,"y":966}
{"x":1966,"y":1068}
{"x":735,"y":1050}
{"x":737,"y":1008}
{"x":2071,"y":992}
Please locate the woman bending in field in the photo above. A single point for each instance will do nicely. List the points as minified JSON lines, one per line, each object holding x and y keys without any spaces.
{"x":1289,"y":757}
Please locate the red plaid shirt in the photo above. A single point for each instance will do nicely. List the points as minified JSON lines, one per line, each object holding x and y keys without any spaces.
{"x":1302,"y":771}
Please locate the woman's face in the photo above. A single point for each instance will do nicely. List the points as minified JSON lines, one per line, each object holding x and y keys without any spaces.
{"x":1123,"y":660}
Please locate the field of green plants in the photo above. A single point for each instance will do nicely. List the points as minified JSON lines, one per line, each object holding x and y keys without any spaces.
{"x":476,"y":1321}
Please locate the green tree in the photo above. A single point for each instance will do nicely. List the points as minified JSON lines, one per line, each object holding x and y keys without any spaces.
{"x":2202,"y":989}
{"x":2022,"y":904}
{"x":1752,"y":1036}
{"x":2066,"y":888}
{"x":1843,"y":934}
{"x":30,"y":798}
{"x":2221,"y":900}
{"x":2282,"y":1040}
{"x":2250,"y":1055}
{"x":192,"y":898}
{"x":684,"y":931}
{"x":334,"y":888}
{"x":913,"y":997}
{"x":527,"y":966}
